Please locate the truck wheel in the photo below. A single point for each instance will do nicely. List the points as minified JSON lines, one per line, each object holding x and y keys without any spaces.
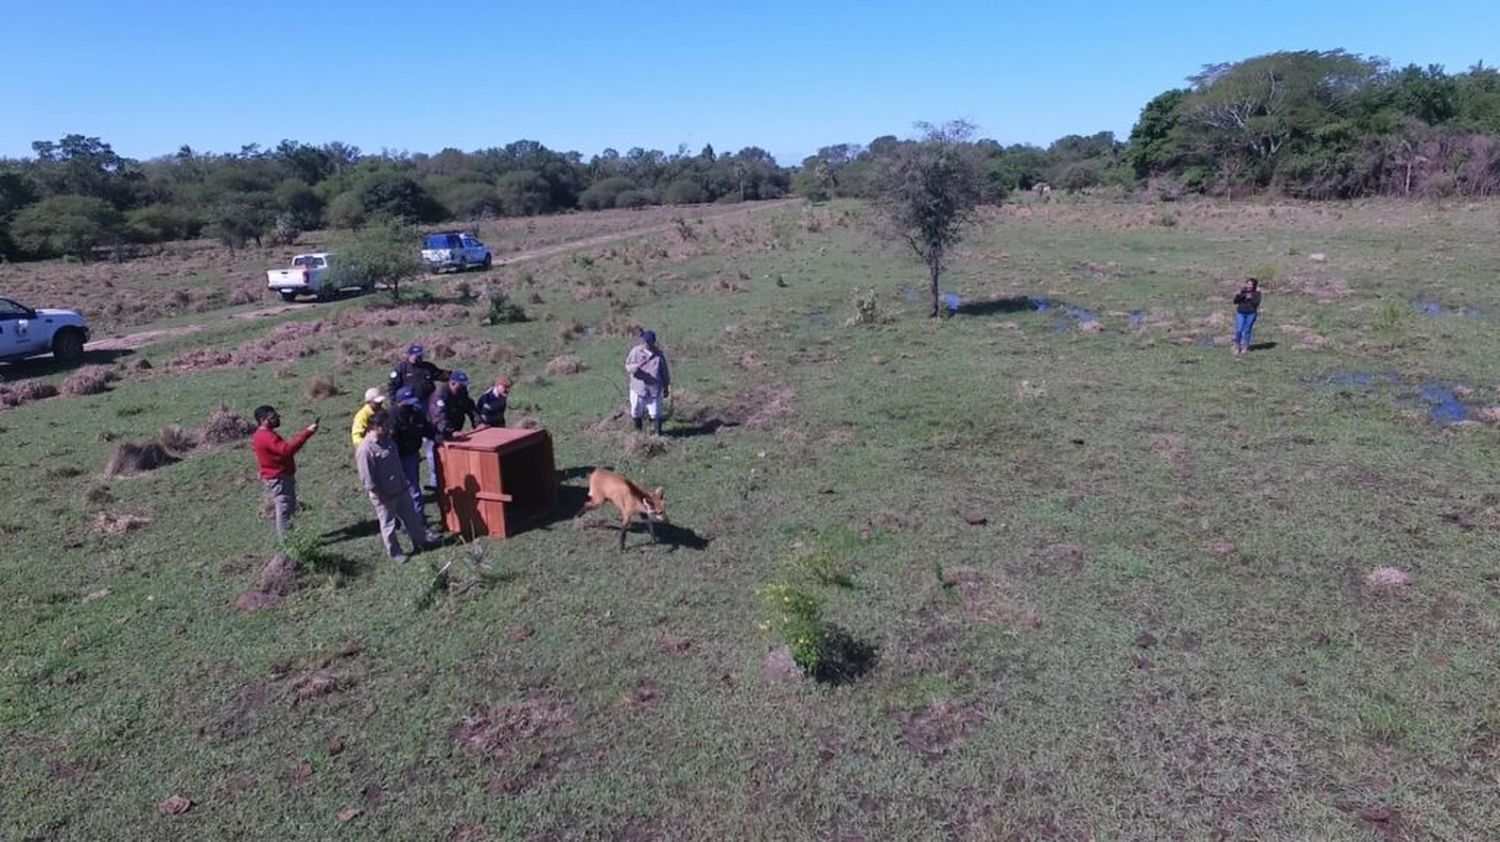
{"x":488,"y":261}
{"x":463,"y":265}
{"x":289,"y":297}
{"x":67,"y":346}
{"x":325,"y":294}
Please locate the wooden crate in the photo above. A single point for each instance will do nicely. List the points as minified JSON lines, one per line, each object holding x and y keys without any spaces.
{"x":496,"y":481}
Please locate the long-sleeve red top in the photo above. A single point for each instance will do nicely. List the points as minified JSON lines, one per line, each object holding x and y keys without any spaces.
{"x":275,"y":453}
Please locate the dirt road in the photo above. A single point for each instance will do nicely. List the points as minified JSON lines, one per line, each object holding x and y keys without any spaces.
{"x":144,"y":338}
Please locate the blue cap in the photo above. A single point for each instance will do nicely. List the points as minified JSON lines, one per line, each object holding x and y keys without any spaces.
{"x":407,"y":397}
{"x":414,"y":350}
{"x":459,"y":377}
{"x":648,"y":337}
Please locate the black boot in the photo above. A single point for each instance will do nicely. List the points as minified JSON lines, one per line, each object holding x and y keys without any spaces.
{"x":657,"y":422}
{"x":637,"y":423}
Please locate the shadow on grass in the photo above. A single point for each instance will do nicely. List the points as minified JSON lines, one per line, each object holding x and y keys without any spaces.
{"x":570,"y":500}
{"x":844,"y":658}
{"x":46,"y":366}
{"x":996,"y":306}
{"x":1262,"y":346}
{"x":678,"y":536}
{"x":703,"y":428}
{"x":351,"y":532}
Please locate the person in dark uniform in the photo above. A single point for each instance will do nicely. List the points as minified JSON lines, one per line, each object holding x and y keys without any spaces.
{"x":490,"y":410}
{"x":421,"y":377}
{"x":410,"y":428}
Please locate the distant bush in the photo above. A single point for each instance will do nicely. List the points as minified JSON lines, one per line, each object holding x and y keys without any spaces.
{"x":635,"y":199}
{"x":161,"y":222}
{"x":684,"y":191}
{"x":603,"y":194}
{"x":67,"y":225}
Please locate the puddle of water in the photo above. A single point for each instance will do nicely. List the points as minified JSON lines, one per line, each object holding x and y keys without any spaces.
{"x":1137,"y":318}
{"x":1428,"y":307}
{"x":1443,"y":405}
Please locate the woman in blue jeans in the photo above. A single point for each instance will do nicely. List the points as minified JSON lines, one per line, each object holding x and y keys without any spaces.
{"x":1246,"y":308}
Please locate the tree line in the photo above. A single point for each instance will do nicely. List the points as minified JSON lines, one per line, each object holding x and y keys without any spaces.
{"x":1307,"y":124}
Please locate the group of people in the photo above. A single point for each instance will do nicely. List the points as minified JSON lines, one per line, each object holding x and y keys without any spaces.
{"x":394,"y":429}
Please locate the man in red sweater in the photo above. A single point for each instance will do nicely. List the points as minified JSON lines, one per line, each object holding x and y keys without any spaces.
{"x":278,"y":468}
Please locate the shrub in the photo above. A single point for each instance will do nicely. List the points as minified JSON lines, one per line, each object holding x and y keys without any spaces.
{"x":795,"y":617}
{"x":503,"y":311}
{"x":635,"y":199}
{"x":602,"y":195}
{"x":865,"y":308}
{"x":67,"y":225}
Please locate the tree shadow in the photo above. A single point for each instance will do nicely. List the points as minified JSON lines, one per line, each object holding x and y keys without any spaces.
{"x":1262,"y":346}
{"x":844,"y":658}
{"x":996,"y":306}
{"x":44,"y":366}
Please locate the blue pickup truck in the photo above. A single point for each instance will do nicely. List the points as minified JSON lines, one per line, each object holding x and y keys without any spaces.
{"x":455,"y":250}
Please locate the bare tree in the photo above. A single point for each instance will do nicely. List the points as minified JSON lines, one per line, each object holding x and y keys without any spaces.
{"x":927,"y":191}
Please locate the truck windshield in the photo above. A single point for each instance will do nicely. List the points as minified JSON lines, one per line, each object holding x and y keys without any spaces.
{"x":308,"y":261}
{"x":441,"y":241}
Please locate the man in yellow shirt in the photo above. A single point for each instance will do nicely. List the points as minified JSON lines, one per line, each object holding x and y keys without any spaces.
{"x":374,"y":402}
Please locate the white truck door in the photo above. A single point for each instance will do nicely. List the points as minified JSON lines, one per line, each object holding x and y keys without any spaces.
{"x":15,"y":329}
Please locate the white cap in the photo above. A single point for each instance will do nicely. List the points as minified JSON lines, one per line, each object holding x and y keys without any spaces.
{"x":373,"y":395}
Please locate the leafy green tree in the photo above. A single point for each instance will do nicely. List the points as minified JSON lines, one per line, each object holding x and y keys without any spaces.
{"x":300,"y":202}
{"x":602,"y":195}
{"x":382,"y":253}
{"x":396,"y":195}
{"x":71,"y":225}
{"x":347,"y":211}
{"x":928,"y":191}
{"x":523,"y":193}
{"x":1261,"y":104}
{"x":1152,"y":140}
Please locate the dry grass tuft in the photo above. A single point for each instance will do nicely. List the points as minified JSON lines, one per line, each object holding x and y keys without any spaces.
{"x":565,"y":364}
{"x":323,"y":386}
{"x":137,"y":457}
{"x":223,"y":426}
{"x":89,"y":380}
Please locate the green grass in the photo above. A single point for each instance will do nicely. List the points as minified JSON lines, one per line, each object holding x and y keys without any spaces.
{"x":1159,"y":631}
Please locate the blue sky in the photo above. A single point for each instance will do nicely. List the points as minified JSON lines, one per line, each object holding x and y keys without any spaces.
{"x":151,"y":75}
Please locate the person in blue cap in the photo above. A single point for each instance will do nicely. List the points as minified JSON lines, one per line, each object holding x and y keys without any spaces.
{"x":650,"y":380}
{"x":450,"y":406}
{"x":410,"y":428}
{"x":416,"y":373}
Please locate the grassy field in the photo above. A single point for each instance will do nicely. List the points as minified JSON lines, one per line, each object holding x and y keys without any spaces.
{"x":1110,"y":581}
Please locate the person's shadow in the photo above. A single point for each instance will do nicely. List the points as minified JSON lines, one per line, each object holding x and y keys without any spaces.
{"x":1262,"y":346}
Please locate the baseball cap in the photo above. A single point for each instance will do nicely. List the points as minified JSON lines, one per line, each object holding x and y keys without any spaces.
{"x":414,"y":350}
{"x":406,"y":397}
{"x":459,"y":377}
{"x":373,"y":395}
{"x":648,"y":336}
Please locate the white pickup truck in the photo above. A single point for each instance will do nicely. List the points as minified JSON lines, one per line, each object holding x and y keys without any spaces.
{"x":25,"y":332}
{"x":310,"y":274}
{"x":455,"y":250}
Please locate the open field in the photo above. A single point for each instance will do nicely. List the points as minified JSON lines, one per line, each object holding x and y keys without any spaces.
{"x":1114,"y":578}
{"x":190,"y":281}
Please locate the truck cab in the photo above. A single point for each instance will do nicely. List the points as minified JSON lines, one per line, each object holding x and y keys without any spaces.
{"x":309,"y":274}
{"x":455,"y":250}
{"x":27,"y":332}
